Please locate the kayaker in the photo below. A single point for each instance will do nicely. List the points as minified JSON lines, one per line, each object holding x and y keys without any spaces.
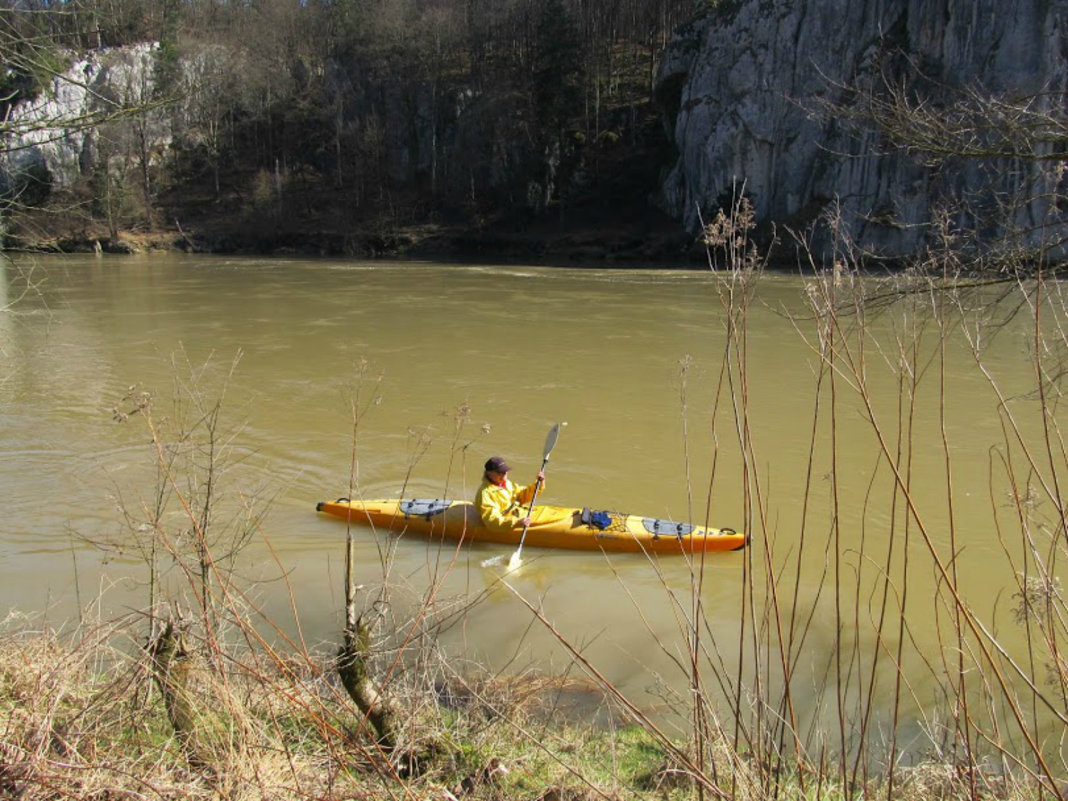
{"x":500,"y":503}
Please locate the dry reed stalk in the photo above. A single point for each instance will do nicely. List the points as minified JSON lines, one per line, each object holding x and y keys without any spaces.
{"x":983,"y":700}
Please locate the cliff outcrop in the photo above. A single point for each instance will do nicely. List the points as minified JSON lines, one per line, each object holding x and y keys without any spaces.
{"x":772,"y":96}
{"x":58,"y":136}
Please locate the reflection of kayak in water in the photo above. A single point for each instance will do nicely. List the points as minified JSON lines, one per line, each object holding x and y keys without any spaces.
{"x":550,"y":527}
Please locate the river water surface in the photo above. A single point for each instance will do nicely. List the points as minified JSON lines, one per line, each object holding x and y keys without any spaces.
{"x":465,"y":362}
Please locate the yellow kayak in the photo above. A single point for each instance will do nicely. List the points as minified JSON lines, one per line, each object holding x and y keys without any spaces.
{"x":551,"y":527}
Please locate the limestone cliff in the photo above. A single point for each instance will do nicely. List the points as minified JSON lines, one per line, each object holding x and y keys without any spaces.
{"x":742,"y":90}
{"x":57,"y":136}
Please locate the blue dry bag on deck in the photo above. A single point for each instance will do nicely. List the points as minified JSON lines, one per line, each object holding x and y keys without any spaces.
{"x":599,"y":520}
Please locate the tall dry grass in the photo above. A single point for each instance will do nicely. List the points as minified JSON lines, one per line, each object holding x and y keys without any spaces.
{"x":889,"y":715}
{"x":878,"y":709}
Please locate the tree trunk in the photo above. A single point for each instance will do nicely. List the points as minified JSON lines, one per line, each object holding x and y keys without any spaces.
{"x":353,"y":668}
{"x":171,"y":666}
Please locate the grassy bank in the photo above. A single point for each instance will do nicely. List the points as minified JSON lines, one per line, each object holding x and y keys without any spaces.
{"x":82,"y":718}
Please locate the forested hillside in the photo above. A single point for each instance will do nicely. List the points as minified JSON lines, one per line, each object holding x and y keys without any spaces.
{"x":523,"y":127}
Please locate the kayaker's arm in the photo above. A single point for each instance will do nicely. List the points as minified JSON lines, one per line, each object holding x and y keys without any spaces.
{"x":526,"y":495}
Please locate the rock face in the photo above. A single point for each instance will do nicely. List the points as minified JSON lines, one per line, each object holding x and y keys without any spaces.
{"x":55,"y":141}
{"x":449,"y":138}
{"x":739,"y":88}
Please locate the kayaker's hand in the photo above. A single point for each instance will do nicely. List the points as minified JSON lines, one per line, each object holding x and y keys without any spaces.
{"x":525,"y":522}
{"x":541,"y":475}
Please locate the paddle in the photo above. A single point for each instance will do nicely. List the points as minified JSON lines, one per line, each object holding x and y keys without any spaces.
{"x":550,"y":441}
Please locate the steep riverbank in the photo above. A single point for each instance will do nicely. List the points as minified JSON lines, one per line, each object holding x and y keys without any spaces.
{"x":614,"y":222}
{"x":612,"y":219}
{"x":654,"y":240}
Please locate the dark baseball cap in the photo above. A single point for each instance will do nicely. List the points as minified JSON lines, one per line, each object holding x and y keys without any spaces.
{"x":496,"y":464}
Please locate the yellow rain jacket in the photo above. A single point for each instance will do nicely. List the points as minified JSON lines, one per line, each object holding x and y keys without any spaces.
{"x":503,"y":506}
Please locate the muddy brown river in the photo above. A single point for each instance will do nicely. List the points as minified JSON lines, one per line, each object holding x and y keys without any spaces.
{"x":452,"y":363}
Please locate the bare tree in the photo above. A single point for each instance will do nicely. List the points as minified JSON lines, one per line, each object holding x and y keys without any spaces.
{"x":996,"y":164}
